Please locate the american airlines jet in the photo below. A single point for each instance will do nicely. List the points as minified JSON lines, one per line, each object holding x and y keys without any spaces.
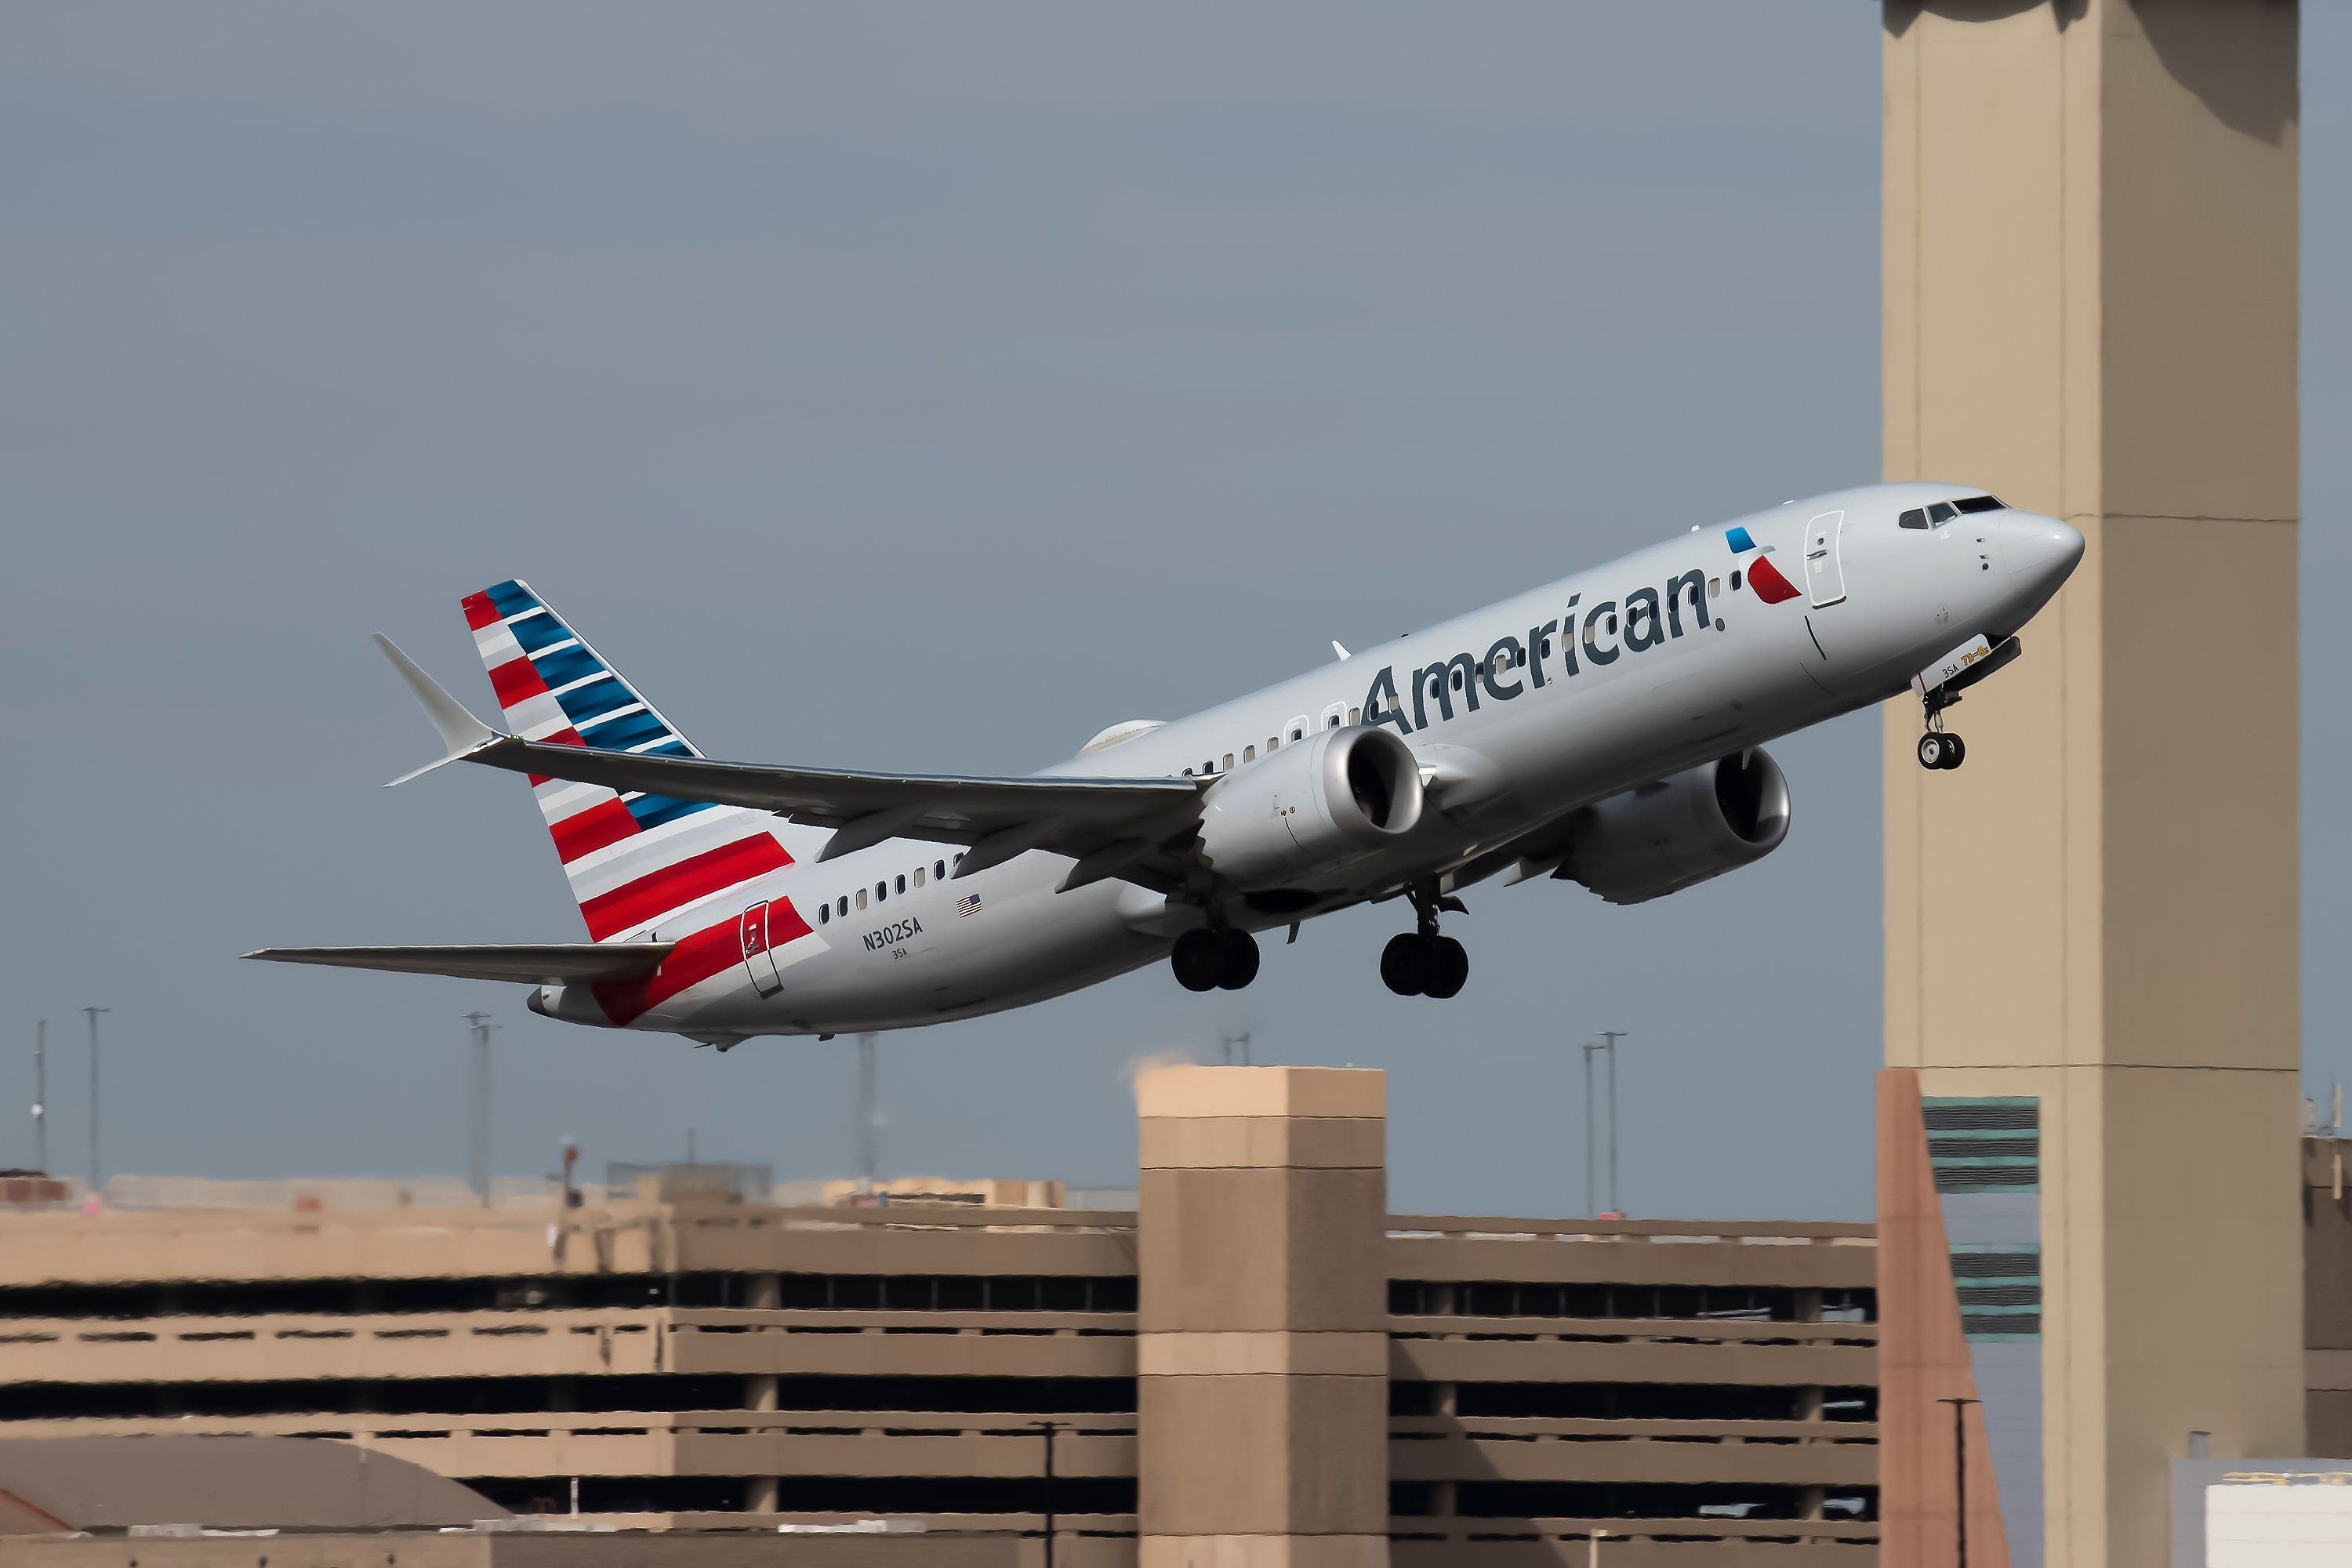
{"x":1604,"y":728}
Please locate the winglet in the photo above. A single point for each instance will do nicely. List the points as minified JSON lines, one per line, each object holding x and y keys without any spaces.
{"x":461,"y":733}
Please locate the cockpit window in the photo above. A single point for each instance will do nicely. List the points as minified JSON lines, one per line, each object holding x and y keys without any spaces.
{"x":1915,"y":518}
{"x":1942,"y":512}
{"x":1981,"y":503}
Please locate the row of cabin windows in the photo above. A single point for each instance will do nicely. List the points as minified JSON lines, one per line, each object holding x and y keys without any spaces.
{"x":937,"y":872}
{"x":1296,"y":731}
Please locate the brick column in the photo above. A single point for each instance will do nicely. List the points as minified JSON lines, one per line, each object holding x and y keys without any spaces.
{"x":1263,"y":1320}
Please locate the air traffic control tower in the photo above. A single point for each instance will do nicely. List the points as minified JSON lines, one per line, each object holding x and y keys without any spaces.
{"x":2090,"y":270}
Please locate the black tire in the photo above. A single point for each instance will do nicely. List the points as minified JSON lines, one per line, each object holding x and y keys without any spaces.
{"x":1197,"y":958}
{"x":1448,"y":968}
{"x":1932,"y":751}
{"x":1956,"y":752}
{"x":1404,"y":964}
{"x":1236,"y":960}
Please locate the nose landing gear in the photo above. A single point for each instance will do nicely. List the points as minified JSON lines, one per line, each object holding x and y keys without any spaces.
{"x":1420,"y":962}
{"x":1939,"y":748}
{"x":1221,"y":959}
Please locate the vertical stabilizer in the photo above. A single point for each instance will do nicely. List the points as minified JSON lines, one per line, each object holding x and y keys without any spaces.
{"x":637,"y":863}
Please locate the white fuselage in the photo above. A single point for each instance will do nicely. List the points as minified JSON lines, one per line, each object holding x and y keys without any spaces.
{"x":1557,"y":698}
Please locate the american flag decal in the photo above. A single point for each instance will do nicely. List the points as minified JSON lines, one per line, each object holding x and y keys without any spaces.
{"x":968,"y":905}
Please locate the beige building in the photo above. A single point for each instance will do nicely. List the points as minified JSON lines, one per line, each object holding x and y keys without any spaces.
{"x":1473,"y":1389}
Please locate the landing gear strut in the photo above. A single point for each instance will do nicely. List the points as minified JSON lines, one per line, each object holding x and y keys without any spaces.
{"x":1217,"y":959}
{"x":1420,"y":962}
{"x":1940,"y":749}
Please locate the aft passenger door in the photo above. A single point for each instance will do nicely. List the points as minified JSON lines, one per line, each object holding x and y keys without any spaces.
{"x":1824,"y":575}
{"x":759,"y":958}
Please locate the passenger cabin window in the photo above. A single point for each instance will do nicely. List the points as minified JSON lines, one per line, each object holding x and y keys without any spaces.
{"x":1715,"y":587}
{"x":1734,"y":580}
{"x":1272,"y":741}
{"x":1980,"y":503}
{"x":939,"y":870}
{"x":919,"y":876}
{"x":1249,"y":753}
{"x":844,"y":904}
{"x":861,"y":898}
{"x":881,"y":891}
{"x":1229,"y":762}
{"x":823,"y":913}
{"x":1915,"y":518}
{"x":1355,"y":715}
{"x":1333,"y":715}
{"x":902,"y":884}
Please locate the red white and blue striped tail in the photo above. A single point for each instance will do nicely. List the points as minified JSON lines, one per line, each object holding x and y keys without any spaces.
{"x":637,"y":863}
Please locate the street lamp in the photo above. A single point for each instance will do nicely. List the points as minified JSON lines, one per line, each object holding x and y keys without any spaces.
{"x":1960,"y":1463}
{"x":91,"y":1013}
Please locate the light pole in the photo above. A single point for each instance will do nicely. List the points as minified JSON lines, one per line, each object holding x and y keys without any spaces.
{"x":1592,"y":1548}
{"x":1960,"y":1471}
{"x":1591,"y":1201}
{"x":869,"y":1114}
{"x":480,"y":1153}
{"x":1613,"y":1036}
{"x":41,"y":1096}
{"x":91,"y":1013}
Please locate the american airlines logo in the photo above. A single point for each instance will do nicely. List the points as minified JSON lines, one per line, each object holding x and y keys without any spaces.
{"x":1643,"y":619}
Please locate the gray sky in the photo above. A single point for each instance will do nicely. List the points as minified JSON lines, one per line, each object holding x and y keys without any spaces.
{"x":924,"y":387}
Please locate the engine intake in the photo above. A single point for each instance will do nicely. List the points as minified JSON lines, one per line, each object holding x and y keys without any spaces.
{"x":1312,"y":807}
{"x":1663,"y":837}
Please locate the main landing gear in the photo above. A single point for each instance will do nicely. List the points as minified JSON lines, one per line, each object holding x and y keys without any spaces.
{"x":1940,"y":749}
{"x":1420,"y":962}
{"x":1218,"y":959}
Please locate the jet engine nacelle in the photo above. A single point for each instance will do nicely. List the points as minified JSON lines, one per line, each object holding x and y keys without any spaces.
{"x":1662,"y":837}
{"x":1315,"y":804}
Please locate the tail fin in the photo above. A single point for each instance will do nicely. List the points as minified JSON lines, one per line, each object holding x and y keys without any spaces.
{"x":636,"y":862}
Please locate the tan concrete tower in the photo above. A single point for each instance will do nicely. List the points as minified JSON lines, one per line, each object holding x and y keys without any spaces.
{"x":2091,"y":929}
{"x":1262,"y":1329}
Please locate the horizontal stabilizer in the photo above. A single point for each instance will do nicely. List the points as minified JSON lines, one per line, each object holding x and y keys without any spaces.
{"x":544,"y":963}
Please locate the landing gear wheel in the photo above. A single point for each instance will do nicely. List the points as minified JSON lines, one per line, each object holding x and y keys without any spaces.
{"x":1955,"y":751}
{"x":1198,"y":960}
{"x":1934,"y":748}
{"x":1236,"y":959}
{"x":1404,"y":965}
{"x":1446,"y":966}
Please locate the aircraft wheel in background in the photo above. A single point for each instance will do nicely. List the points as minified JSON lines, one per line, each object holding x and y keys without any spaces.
{"x":1198,"y":960}
{"x":1955,"y":751}
{"x":1236,"y":959}
{"x":1446,"y":967}
{"x":1404,"y":963}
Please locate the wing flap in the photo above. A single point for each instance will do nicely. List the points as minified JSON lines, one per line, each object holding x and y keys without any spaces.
{"x":544,"y":963}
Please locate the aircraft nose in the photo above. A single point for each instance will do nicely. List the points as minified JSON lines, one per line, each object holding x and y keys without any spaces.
{"x":2039,"y":550}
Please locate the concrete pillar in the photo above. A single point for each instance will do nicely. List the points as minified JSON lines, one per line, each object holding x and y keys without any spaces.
{"x":2090,"y":307}
{"x":1263,"y":1318}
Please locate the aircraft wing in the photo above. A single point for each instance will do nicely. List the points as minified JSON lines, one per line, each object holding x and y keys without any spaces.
{"x":1138,"y":828}
{"x":545,"y":964}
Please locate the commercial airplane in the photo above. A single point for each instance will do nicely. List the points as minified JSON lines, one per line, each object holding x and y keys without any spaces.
{"x":1603,"y":729}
